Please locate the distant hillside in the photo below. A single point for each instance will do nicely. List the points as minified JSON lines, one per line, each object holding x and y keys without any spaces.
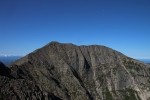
{"x":145,"y":60}
{"x":7,"y":60}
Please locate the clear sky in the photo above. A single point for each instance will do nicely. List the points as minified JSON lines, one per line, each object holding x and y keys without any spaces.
{"x":123,"y":25}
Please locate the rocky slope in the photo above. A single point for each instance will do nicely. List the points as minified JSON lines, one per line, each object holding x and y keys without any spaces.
{"x":69,"y":72}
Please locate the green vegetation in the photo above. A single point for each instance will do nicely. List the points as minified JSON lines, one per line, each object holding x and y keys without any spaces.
{"x":129,"y":94}
{"x":107,"y":94}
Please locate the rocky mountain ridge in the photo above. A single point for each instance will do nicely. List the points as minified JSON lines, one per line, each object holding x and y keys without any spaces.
{"x":68,"y":72}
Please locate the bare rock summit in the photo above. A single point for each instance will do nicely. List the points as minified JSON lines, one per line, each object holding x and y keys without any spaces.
{"x":64,"y":71}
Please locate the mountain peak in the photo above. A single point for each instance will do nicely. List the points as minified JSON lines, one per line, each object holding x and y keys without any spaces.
{"x":67,"y":72}
{"x":54,"y":42}
{"x":59,"y":43}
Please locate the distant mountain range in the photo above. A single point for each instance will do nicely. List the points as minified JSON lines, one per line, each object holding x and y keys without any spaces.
{"x":7,"y":60}
{"x":68,"y":72}
{"x":145,"y":60}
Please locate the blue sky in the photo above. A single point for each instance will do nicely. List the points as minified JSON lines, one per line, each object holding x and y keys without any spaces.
{"x":123,"y":25}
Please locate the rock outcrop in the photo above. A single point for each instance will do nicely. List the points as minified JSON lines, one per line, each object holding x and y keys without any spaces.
{"x":69,"y":72}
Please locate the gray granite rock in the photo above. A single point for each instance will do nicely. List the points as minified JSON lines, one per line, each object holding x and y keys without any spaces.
{"x":69,"y":72}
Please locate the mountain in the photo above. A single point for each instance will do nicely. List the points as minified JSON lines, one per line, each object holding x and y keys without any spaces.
{"x":4,"y":71}
{"x":60,"y":71}
{"x":7,"y":60}
{"x":145,"y":60}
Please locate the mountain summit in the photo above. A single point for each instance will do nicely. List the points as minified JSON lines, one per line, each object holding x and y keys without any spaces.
{"x":68,"y":72}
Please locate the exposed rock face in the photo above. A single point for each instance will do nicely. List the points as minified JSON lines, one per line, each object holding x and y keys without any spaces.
{"x":69,"y":72}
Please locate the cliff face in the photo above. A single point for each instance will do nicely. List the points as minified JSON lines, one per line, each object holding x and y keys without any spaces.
{"x":69,"y":72}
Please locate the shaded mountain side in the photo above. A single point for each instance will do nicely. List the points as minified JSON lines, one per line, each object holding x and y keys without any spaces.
{"x":4,"y":71}
{"x":12,"y":88}
{"x":70,"y":72}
